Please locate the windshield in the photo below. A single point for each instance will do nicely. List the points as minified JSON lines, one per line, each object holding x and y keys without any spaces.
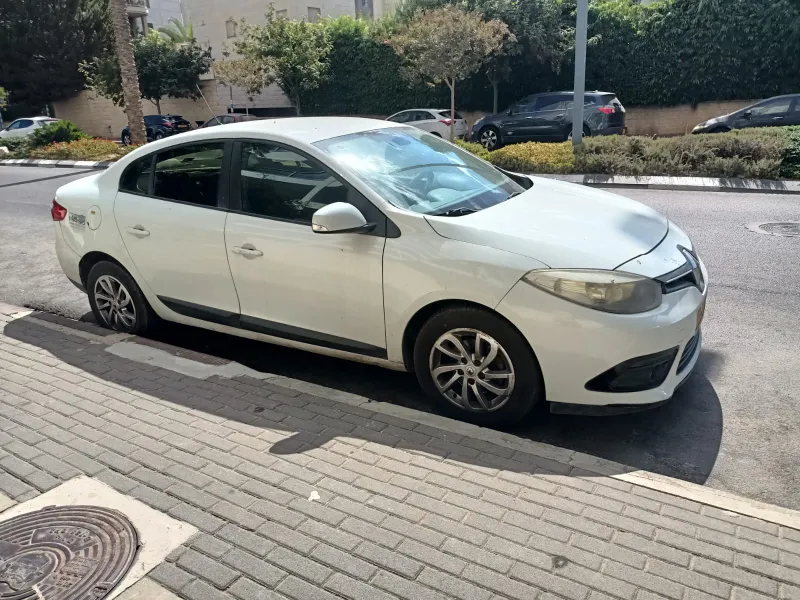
{"x":421,"y":172}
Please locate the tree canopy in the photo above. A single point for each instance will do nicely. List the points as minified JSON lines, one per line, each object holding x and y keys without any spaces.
{"x":42,"y":42}
{"x":292,"y":54}
{"x":165,"y":71}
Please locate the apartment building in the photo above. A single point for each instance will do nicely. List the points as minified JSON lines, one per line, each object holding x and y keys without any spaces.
{"x":216,"y":25}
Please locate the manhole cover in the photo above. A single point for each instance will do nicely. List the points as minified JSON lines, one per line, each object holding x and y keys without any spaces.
{"x":65,"y":553}
{"x":782,"y":228}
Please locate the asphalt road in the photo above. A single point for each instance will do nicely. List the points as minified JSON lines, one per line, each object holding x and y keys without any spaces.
{"x":735,"y":425}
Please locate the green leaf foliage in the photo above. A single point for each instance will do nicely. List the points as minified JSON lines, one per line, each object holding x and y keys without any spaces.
{"x":60,"y":131}
{"x":292,"y":54}
{"x":165,"y":70}
{"x":43,"y":41}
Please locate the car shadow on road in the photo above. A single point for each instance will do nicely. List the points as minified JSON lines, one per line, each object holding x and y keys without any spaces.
{"x":680,"y":439}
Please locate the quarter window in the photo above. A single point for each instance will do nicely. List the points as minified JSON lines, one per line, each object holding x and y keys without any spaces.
{"x":136,"y":178}
{"x":189,"y":174}
{"x":282,"y":184}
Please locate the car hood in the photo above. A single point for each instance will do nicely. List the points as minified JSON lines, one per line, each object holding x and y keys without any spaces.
{"x":563,"y":225}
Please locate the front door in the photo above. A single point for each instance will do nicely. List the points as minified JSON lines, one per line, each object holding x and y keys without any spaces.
{"x":517,"y":125}
{"x":19,"y":128}
{"x":325,"y":290}
{"x":767,"y":113}
{"x":174,"y":229}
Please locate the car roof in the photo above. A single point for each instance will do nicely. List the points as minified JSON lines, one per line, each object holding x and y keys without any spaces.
{"x":307,"y":130}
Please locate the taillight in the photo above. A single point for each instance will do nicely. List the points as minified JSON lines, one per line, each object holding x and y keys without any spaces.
{"x":446,"y":121}
{"x":606,"y":110}
{"x":58,"y":212}
{"x":167,"y":124}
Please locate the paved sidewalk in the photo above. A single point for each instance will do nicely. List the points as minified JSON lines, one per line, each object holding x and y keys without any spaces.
{"x":307,"y":497}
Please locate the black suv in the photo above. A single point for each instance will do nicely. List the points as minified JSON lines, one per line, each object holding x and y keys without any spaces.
{"x":548,"y":118}
{"x":159,"y":126}
{"x":780,"y":110}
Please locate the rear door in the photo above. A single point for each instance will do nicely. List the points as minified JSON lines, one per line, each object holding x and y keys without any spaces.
{"x":793,"y":117}
{"x":171,"y":213}
{"x":547,"y":121}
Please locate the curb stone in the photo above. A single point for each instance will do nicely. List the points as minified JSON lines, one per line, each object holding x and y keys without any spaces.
{"x":574,"y":461}
{"x":686,"y":184}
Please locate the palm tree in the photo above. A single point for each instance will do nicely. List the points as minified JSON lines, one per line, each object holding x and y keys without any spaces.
{"x":177,"y":32}
{"x":127,"y":66}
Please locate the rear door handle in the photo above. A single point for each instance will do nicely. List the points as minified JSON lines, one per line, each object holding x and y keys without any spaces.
{"x":138,"y":231}
{"x":247,"y":250}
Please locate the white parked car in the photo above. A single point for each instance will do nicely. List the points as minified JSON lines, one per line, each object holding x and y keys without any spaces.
{"x":381,"y":243}
{"x":23,"y":127}
{"x":433,"y":120}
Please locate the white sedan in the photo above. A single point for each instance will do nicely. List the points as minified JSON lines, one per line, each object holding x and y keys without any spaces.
{"x":380,"y":243}
{"x":433,"y":120}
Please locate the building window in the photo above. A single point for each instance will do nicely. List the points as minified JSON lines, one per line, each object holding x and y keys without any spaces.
{"x":230,"y":28}
{"x":282,"y":14}
{"x":314,"y":14}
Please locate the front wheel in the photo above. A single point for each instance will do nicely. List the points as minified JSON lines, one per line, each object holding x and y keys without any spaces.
{"x":116,"y":300}
{"x":477,"y":366}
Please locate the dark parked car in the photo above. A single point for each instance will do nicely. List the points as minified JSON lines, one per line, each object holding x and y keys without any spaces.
{"x":229,"y":118}
{"x":780,"y":110}
{"x":159,"y":126}
{"x":548,"y":118}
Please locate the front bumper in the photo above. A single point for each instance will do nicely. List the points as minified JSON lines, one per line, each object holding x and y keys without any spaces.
{"x":575,"y":344}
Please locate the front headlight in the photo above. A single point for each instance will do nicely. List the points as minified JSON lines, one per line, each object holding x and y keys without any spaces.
{"x":609,"y":291}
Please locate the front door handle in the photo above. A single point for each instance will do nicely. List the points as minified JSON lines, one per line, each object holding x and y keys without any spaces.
{"x":777,"y":118}
{"x":247,"y":250}
{"x":138,"y":231}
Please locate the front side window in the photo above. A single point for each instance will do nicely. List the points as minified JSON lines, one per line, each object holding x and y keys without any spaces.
{"x":136,"y":178}
{"x":279,"y":183}
{"x":212,"y":122}
{"x":400,"y":117}
{"x":189,"y":174}
{"x":21,"y":124}
{"x":421,"y":172}
{"x":772,"y":107}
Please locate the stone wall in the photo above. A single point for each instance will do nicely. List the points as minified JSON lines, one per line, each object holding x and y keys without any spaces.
{"x":98,"y":116}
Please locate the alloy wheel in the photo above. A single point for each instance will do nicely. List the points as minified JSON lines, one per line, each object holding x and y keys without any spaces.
{"x":472,"y":370}
{"x":489,"y":139}
{"x":114,"y":302}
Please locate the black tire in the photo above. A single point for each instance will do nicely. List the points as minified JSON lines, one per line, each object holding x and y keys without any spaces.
{"x":436,"y":134}
{"x":719,"y":130}
{"x":528,"y":388}
{"x":483,"y":142}
{"x":126,"y":139}
{"x":144,"y":316}
{"x":159,"y":136}
{"x":586,"y":132}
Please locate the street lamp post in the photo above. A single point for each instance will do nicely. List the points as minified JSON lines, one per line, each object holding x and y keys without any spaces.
{"x":581,"y":25}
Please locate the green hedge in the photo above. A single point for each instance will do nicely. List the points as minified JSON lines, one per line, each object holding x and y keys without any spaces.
{"x":771,"y":153}
{"x":665,"y":53}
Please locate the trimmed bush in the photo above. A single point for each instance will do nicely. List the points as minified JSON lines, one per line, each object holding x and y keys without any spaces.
{"x":535,"y":157}
{"x":790,"y":166}
{"x":475,"y":148}
{"x":60,"y":131}
{"x":83,"y":149}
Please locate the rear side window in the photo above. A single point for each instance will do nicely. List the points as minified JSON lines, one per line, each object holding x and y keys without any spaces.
{"x":608,"y":99}
{"x":552,"y":102}
{"x":282,"y":184}
{"x":189,"y":174}
{"x":446,"y":114}
{"x":136,"y":178}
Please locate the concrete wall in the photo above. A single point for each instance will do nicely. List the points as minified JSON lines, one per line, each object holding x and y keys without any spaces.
{"x":98,"y":116}
{"x":161,"y":11}
{"x":676,"y":120}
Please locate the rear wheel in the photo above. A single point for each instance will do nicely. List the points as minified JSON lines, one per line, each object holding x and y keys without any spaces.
{"x":477,"y":367}
{"x":586,"y":132}
{"x":489,"y":138}
{"x":116,"y":300}
{"x":126,"y":139}
{"x":159,"y":136}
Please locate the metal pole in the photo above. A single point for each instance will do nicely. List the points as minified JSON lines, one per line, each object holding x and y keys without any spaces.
{"x":579,"y":87}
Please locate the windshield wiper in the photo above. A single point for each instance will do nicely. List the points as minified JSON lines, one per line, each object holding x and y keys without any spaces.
{"x":456,"y":212}
{"x":512,"y":195}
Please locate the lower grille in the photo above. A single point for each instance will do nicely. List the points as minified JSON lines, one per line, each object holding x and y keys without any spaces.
{"x":688,"y":353}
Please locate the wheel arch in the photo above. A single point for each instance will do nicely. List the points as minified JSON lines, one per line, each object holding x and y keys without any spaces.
{"x":90,"y":259}
{"x":415,"y":324}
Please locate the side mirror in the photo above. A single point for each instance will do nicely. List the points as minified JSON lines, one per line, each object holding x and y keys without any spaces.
{"x":340,"y":217}
{"x":748,"y":114}
{"x":510,"y":111}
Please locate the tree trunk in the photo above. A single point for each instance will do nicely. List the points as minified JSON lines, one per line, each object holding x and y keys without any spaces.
{"x":123,"y":46}
{"x":495,"y":88}
{"x":297,"y":104}
{"x":452,"y":108}
{"x":158,"y":106}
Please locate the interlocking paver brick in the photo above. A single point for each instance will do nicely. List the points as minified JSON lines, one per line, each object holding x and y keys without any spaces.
{"x":404,"y":511}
